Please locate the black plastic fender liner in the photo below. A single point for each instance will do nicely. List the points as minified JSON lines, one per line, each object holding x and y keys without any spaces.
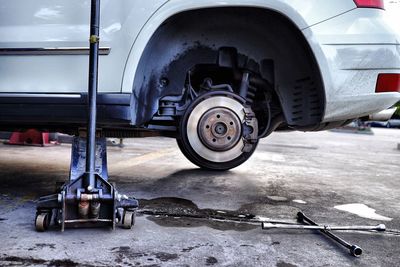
{"x":194,"y":37}
{"x":164,"y":75}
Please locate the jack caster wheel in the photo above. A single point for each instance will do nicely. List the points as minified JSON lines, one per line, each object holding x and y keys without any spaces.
{"x":213,"y":132}
{"x":128,"y":219}
{"x":42,"y":221}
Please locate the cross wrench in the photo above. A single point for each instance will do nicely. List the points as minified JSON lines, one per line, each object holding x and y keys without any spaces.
{"x":326,"y":229}
{"x":379,"y":227}
{"x":355,"y":250}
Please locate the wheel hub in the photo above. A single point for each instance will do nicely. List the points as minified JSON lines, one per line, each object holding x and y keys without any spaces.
{"x":210,"y":132}
{"x":219,"y":129}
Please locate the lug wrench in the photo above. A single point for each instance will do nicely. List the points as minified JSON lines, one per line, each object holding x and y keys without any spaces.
{"x":268,"y":225}
{"x":355,"y":250}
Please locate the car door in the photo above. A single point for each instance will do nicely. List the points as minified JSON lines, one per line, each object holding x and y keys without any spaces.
{"x":44,"y":43}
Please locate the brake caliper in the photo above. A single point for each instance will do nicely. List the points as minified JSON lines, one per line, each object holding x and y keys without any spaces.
{"x":250,"y":129}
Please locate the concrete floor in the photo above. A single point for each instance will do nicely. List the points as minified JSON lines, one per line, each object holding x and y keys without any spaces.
{"x":322,"y":169}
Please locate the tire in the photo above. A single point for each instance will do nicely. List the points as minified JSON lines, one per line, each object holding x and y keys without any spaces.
{"x":202,"y":153}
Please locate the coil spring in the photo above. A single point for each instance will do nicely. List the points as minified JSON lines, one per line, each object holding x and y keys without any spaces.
{"x":251,"y":94}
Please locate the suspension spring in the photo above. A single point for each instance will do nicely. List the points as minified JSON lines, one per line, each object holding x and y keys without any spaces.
{"x":251,"y":94}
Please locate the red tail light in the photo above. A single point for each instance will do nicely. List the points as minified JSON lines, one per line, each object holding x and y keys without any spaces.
{"x":370,"y":3}
{"x":388,"y":82}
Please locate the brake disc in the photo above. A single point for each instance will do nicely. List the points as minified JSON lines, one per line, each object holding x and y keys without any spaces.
{"x":218,"y":128}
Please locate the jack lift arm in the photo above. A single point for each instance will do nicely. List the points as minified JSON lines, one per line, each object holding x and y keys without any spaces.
{"x":88,"y":199}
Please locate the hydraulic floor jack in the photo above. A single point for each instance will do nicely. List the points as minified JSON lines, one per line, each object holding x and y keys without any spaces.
{"x":88,"y":199}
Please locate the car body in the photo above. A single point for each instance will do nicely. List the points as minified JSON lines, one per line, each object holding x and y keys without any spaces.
{"x":300,"y":65}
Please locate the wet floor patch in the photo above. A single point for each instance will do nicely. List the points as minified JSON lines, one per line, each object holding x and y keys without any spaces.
{"x":131,"y":257}
{"x":178,"y":212}
{"x":285,"y":264}
{"x":21,"y":260}
{"x":211,"y":261}
{"x":189,"y":249}
{"x":39,"y":246}
{"x":222,"y":225}
{"x":163,"y":256}
{"x":30,"y":261}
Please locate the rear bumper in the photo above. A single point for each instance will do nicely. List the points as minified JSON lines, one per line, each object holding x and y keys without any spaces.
{"x":384,"y":115}
{"x":356,"y":106}
{"x":352,"y":49}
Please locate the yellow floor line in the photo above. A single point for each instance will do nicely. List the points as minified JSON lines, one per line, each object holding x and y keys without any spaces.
{"x":134,"y":161}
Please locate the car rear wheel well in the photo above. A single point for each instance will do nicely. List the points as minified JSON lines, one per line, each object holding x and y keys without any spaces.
{"x":267,"y":42}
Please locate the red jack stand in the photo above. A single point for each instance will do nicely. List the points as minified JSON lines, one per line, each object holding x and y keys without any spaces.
{"x":31,"y":137}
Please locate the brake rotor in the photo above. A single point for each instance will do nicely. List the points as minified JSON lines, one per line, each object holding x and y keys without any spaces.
{"x":219,"y":129}
{"x":215,"y":130}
